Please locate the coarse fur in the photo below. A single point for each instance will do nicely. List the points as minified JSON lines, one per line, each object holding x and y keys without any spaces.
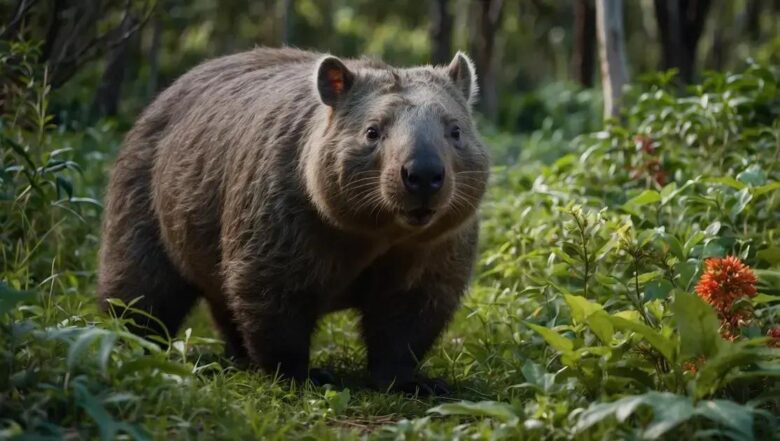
{"x":251,"y":182}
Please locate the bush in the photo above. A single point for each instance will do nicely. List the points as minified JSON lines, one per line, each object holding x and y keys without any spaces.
{"x":601,"y":252}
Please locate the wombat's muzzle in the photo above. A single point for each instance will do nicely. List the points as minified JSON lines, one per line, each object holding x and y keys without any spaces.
{"x":423,"y":177}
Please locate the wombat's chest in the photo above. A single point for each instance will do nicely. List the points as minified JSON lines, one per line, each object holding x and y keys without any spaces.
{"x":377,"y":270}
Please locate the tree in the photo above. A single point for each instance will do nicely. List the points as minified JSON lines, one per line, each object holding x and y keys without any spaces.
{"x":107,"y":95}
{"x":441,"y":32}
{"x":76,"y":31}
{"x":680,"y":26}
{"x":584,"y":42}
{"x":609,"y":25}
{"x":483,"y":39}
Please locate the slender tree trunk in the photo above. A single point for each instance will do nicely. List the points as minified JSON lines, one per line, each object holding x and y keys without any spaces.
{"x":110,"y":89}
{"x":609,"y":25}
{"x":441,"y":32}
{"x":584,"y":44}
{"x":680,"y":26}
{"x":286,"y":20}
{"x":154,"y":57}
{"x":488,"y":17}
{"x":753,"y":12}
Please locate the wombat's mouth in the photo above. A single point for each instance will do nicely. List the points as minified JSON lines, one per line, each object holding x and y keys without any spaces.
{"x":418,"y":217}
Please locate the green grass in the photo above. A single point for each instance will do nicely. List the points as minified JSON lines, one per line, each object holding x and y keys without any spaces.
{"x":583,"y":296}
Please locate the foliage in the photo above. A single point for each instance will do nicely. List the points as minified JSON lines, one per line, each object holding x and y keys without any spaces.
{"x":582,"y":323}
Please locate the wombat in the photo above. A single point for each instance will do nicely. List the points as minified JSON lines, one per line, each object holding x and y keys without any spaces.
{"x":280,"y":185}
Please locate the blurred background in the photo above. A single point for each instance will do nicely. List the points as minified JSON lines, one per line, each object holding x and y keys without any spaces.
{"x":537,"y":59}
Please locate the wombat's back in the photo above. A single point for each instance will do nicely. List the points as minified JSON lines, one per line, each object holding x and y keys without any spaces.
{"x":230,"y":124}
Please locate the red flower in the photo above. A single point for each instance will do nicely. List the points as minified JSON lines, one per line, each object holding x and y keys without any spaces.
{"x":692,"y":366}
{"x":726,"y":280}
{"x":774,"y":335}
{"x":644,"y":143}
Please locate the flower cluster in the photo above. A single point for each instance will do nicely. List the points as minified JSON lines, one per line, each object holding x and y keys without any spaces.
{"x":650,"y":167}
{"x":724,"y":282}
{"x":774,"y":336}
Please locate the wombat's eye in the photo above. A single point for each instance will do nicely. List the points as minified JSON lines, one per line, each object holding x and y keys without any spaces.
{"x":455,"y":133}
{"x":372,"y":133}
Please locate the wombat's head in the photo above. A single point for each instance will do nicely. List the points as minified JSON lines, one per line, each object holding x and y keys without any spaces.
{"x":399,"y":148}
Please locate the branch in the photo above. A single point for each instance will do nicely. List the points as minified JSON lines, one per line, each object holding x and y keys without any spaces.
{"x":105,"y":42}
{"x":22,"y":8}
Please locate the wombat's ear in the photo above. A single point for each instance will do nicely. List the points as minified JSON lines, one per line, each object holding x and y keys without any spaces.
{"x":461,"y":72}
{"x":333,"y":80}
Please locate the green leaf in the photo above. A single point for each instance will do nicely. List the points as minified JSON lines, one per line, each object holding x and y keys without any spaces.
{"x":657,"y":289}
{"x":674,"y":245}
{"x":669,"y":410}
{"x":668,"y":192}
{"x":729,"y":414}
{"x":572,"y":250}
{"x":764,"y":298}
{"x":752,"y":176}
{"x":686,"y":271}
{"x":10,"y":297}
{"x":743,"y":199}
{"x":107,"y":426}
{"x":713,"y":249}
{"x":599,"y":322}
{"x":338,"y":400}
{"x":78,"y":349}
{"x":697,"y":325}
{"x":491,"y":409}
{"x":712,"y":229}
{"x":713,"y":373}
{"x":770,"y":255}
{"x":106,"y":346}
{"x":649,"y":276}
{"x":554,"y":339}
{"x":644,"y":198}
{"x":655,"y":339}
{"x":581,"y":308}
{"x":758,"y":191}
{"x":536,"y":376}
{"x":693,"y":241}
{"x":727,"y":181}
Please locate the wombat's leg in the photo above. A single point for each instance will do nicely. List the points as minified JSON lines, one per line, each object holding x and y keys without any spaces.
{"x":398,"y":330}
{"x":134,"y":264}
{"x":133,"y":261}
{"x":276,"y":332}
{"x":228,"y":327}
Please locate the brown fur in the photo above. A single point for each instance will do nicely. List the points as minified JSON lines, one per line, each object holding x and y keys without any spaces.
{"x":240,"y":185}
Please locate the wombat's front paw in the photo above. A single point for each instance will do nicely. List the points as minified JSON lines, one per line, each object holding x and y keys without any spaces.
{"x":321,"y":377}
{"x":424,"y":386}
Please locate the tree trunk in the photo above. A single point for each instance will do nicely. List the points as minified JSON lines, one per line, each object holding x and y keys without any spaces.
{"x":584,"y":42}
{"x":488,"y":17}
{"x":110,"y":89}
{"x":154,"y":57}
{"x":609,"y":25}
{"x":286,"y":18}
{"x":680,"y":26}
{"x":753,"y":12}
{"x":441,"y":32}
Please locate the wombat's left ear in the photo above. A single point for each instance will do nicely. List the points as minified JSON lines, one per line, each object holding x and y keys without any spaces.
{"x":461,"y":71}
{"x":333,"y":80}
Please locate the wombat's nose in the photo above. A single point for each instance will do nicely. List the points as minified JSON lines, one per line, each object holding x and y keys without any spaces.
{"x":422,"y":177}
